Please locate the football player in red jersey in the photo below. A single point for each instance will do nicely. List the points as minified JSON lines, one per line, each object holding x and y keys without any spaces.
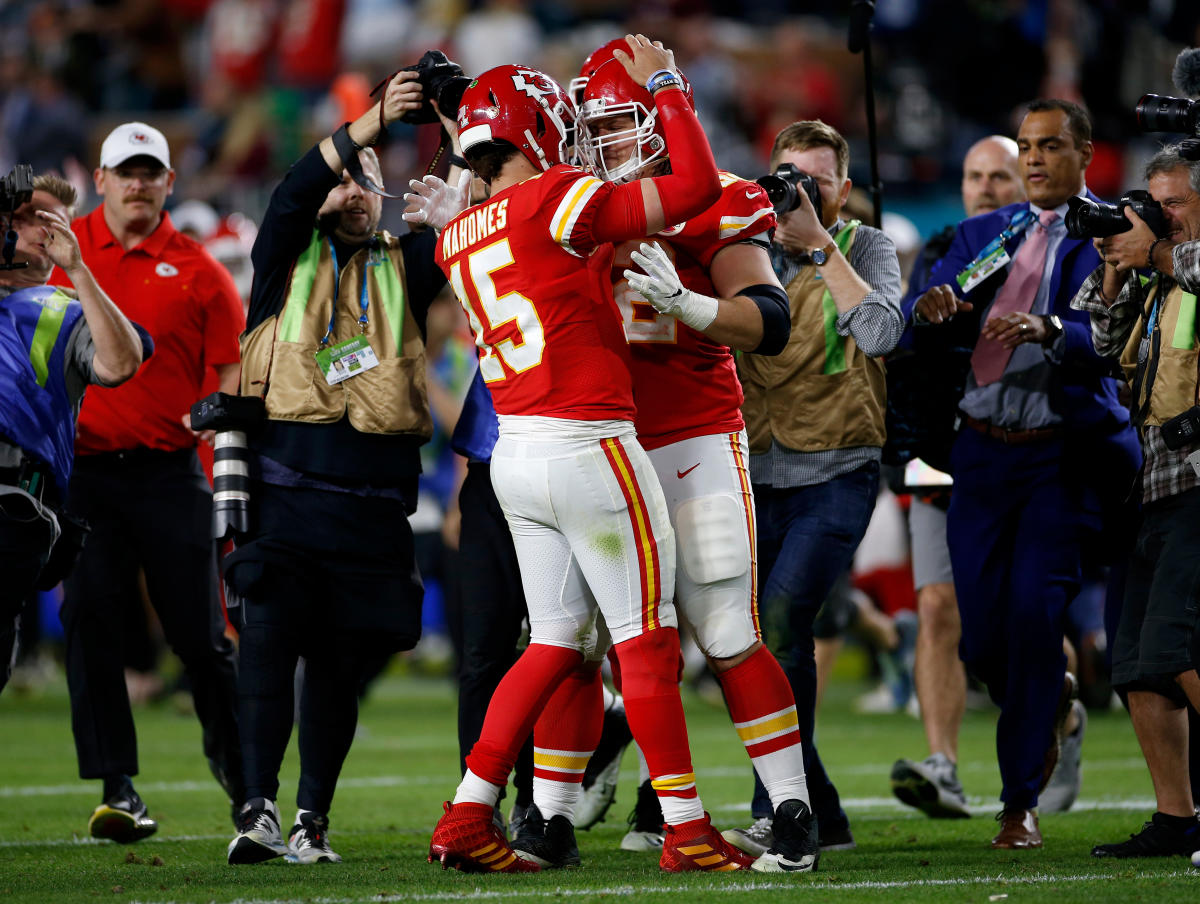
{"x":707,"y":284}
{"x":531,"y":267}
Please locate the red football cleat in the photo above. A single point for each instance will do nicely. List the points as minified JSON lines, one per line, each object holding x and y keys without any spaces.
{"x":696,"y":845}
{"x":466,"y":838}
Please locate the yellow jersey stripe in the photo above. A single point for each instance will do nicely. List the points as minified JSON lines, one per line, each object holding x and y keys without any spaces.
{"x":570,"y":207}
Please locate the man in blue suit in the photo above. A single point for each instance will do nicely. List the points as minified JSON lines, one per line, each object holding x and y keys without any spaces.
{"x":1043,"y":450}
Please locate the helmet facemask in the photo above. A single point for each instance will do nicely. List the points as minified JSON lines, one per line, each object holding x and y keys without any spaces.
{"x":646,"y":145}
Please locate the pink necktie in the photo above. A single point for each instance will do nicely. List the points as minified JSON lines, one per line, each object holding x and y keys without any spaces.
{"x":1017,"y":294}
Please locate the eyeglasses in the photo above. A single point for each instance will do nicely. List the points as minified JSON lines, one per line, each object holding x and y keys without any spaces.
{"x":139,"y":173}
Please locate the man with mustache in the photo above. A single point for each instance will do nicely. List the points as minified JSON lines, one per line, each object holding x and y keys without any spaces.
{"x":138,"y":483}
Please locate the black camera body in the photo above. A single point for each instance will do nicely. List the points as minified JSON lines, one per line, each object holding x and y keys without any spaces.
{"x":783,"y":189}
{"x":232,"y":417}
{"x":1163,"y":113}
{"x":441,"y":80}
{"x":1182,"y":430}
{"x":1088,"y":220}
{"x":16,"y":188}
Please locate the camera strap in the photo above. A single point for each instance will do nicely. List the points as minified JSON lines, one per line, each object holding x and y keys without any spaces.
{"x":1147,"y":365}
{"x":347,"y":150}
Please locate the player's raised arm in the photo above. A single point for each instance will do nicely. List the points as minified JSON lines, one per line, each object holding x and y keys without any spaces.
{"x":692,"y":186}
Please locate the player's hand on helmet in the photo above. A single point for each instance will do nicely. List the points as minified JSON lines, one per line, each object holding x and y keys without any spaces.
{"x":645,"y":57}
{"x":660,"y":285}
{"x":402,"y":95}
{"x":435,"y":203}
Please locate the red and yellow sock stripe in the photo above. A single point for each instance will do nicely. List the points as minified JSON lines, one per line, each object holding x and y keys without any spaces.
{"x":769,"y":733}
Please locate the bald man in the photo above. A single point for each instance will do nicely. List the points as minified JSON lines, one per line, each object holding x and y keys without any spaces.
{"x":990,"y":181}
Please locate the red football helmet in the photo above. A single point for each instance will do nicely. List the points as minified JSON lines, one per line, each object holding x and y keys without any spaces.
{"x":611,"y":92}
{"x":594,"y":61}
{"x":522,"y":106}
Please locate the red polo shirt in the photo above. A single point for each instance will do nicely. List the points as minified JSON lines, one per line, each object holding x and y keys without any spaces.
{"x":188,"y":303}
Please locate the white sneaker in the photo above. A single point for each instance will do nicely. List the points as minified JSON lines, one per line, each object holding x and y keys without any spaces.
{"x":1062,"y":789}
{"x":308,"y":842}
{"x":259,"y":837}
{"x":931,"y":785}
{"x":595,"y":801}
{"x":755,"y":839}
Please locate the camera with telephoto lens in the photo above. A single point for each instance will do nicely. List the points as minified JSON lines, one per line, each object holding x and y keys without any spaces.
{"x":441,"y":80}
{"x":1088,"y":220}
{"x":232,"y":417}
{"x":1162,"y":113}
{"x":1182,"y":430}
{"x":783,"y":188}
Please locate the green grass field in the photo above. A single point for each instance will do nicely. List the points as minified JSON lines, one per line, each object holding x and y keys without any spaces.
{"x":404,"y":764}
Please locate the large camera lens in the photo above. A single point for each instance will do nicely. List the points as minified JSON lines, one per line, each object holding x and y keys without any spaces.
{"x":780,"y":192}
{"x":1086,"y":219}
{"x":1158,"y":113}
{"x":231,"y":485}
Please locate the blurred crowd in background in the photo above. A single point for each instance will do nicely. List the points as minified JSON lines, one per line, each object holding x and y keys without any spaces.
{"x":242,"y":87}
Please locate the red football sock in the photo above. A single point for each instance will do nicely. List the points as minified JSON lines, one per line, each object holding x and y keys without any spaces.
{"x":764,"y":713}
{"x":565,"y":738}
{"x":518,"y":701}
{"x":650,"y":685}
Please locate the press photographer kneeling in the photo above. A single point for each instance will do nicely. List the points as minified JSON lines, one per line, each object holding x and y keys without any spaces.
{"x":53,"y":343}
{"x":1142,"y":301}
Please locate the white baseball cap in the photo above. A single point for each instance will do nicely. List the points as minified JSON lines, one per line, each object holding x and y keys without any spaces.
{"x":134,"y":139}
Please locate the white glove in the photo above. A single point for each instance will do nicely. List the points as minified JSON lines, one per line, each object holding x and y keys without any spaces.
{"x":434,"y":202}
{"x":660,"y":286}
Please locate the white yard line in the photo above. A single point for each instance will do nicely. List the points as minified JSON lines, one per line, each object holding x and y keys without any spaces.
{"x":802,"y":884}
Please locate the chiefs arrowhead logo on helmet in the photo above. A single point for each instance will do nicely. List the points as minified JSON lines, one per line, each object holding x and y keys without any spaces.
{"x":524,"y":107}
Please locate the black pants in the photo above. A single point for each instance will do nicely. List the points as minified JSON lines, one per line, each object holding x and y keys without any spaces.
{"x":330,"y":577}
{"x":493,"y":606}
{"x":26,"y":536}
{"x":152,"y":511}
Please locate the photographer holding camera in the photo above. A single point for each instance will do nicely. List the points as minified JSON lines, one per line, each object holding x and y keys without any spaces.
{"x":53,"y":343}
{"x":334,"y":353}
{"x":815,"y":420}
{"x":1149,"y":324}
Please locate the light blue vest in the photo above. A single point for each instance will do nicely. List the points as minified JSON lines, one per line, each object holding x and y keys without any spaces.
{"x":36,"y":412}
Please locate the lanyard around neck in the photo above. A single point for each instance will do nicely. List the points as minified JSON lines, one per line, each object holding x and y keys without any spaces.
{"x":362,"y":297}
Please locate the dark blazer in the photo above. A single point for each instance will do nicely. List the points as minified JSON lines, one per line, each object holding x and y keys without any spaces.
{"x":1084,"y":390}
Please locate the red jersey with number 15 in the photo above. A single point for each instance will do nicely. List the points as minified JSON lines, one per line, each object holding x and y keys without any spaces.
{"x":536,"y":288}
{"x":685,"y":384}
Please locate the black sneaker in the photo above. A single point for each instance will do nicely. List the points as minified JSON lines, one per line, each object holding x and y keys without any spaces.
{"x":550,"y":844}
{"x":259,"y":836}
{"x":1156,"y":839}
{"x":122,"y":818}
{"x":794,"y":847}
{"x":308,"y":841}
{"x":645,"y":822}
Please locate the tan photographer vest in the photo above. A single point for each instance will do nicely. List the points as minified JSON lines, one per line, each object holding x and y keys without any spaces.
{"x":278,"y":355}
{"x":821,"y":392}
{"x":1174,"y":388}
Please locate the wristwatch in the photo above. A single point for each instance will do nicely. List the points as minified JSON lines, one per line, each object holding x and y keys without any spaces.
{"x":821,"y":255}
{"x":1054,"y":329}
